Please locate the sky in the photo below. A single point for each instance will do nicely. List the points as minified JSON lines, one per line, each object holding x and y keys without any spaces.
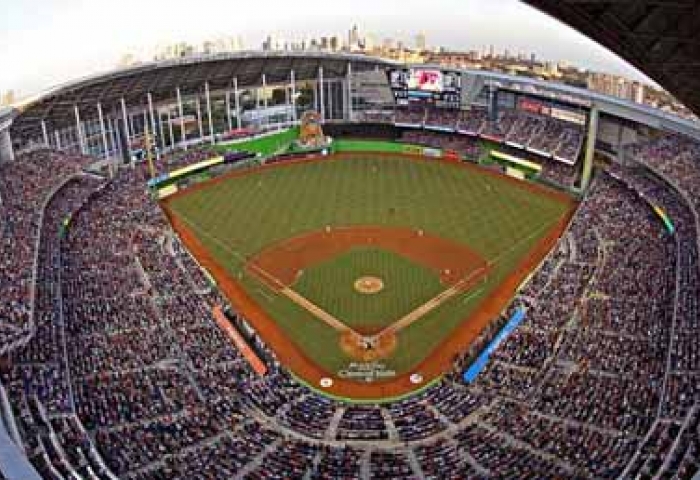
{"x":48,"y":42}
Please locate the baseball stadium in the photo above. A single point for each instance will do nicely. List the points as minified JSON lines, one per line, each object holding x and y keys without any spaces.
{"x":326,"y":265}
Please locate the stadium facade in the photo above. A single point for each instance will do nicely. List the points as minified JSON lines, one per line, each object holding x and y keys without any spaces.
{"x":198,"y":100}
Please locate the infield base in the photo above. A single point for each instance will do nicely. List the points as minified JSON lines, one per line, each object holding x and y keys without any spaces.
{"x":368,"y":348}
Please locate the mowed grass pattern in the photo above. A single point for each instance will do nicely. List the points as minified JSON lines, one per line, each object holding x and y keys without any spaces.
{"x":406,"y":285}
{"x":239,"y":217}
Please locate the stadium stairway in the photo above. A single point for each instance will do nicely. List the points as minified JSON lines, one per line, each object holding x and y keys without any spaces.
{"x":335,"y":421}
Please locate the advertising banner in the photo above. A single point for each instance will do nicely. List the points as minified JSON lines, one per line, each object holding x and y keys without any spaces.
{"x":480,"y":363}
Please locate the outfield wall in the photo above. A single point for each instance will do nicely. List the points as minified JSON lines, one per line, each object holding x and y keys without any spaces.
{"x":374,"y":131}
{"x":380,"y":146}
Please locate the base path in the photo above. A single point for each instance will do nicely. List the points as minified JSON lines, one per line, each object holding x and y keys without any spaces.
{"x":315,"y":310}
{"x":463,"y":285}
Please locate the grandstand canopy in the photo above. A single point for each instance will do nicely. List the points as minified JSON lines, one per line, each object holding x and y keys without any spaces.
{"x":56,"y":106}
{"x":660,"y":37}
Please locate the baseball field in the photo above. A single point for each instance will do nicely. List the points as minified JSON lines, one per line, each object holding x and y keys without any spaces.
{"x":368,"y":268}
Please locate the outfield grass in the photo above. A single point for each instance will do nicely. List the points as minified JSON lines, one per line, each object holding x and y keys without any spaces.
{"x":237,"y":218}
{"x":406,"y":285}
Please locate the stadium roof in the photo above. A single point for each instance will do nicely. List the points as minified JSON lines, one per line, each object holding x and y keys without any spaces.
{"x":56,"y":106}
{"x":613,"y":106}
{"x":660,"y":37}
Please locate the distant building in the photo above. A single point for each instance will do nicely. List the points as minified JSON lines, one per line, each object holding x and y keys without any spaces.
{"x":421,"y":42}
{"x":128,"y":60}
{"x":8,"y":98}
{"x":354,"y":38}
{"x":370,"y":42}
{"x":175,"y":50}
{"x":470,"y":59}
{"x":616,"y":86}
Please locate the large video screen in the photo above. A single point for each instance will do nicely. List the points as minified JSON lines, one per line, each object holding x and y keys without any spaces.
{"x":424,"y":85}
{"x":425,"y":80}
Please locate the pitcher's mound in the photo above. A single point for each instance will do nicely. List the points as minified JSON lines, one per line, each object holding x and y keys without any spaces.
{"x":369,"y":285}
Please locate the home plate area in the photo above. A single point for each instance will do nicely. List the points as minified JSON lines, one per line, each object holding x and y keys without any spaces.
{"x":368,"y":283}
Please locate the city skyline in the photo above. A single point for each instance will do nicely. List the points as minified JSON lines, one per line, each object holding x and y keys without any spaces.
{"x":50,"y":42}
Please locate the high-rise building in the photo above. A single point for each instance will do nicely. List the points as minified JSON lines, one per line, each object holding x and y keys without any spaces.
{"x":209,"y":47}
{"x":370,"y":42}
{"x":237,"y":44}
{"x":127,"y":60}
{"x":421,"y":42}
{"x":616,"y":86}
{"x":175,"y":50}
{"x":354,"y":38}
{"x":267,"y":43}
{"x":8,"y":98}
{"x":274,"y":43}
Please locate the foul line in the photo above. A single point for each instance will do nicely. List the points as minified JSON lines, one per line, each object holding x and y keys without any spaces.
{"x":432,"y":304}
{"x":295,"y":297}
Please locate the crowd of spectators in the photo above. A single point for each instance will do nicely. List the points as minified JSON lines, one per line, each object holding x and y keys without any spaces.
{"x":467,"y":147}
{"x":25,"y":185}
{"x":411,"y":116}
{"x":127,"y":375}
{"x":549,"y":136}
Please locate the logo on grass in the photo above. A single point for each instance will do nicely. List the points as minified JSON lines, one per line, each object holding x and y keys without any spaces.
{"x":369,"y":372}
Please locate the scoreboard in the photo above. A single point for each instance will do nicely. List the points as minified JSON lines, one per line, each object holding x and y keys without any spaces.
{"x":426,"y":86}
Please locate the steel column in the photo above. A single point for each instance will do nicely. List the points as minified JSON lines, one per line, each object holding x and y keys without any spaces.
{"x":153,"y":123}
{"x":81,"y":140}
{"x":181,"y":112}
{"x":590,"y":147}
{"x":199,"y":118}
{"x":228,"y":110}
{"x":170,"y":130}
{"x":45,"y":133}
{"x":237,"y":101}
{"x":105,"y":145}
{"x":212,"y":138}
{"x":125,"y":119}
{"x":349,"y":90}
{"x":294,"y":95}
{"x":321,"y":94}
